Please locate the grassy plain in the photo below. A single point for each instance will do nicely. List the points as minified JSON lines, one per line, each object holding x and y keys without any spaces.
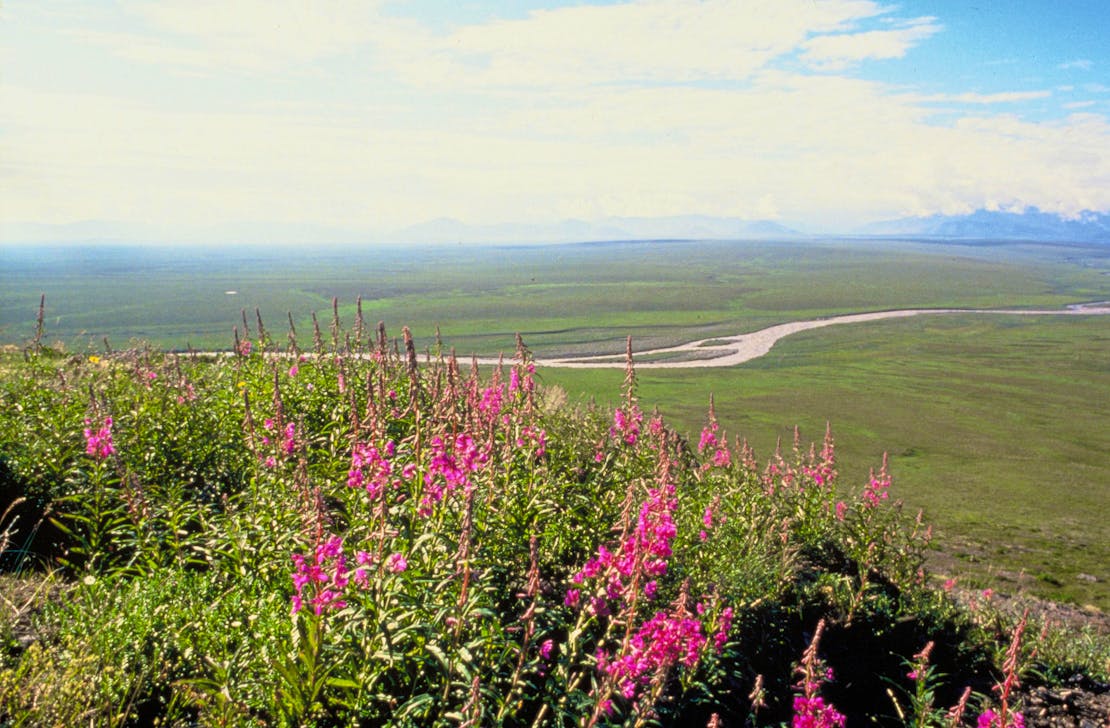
{"x":566,"y":299}
{"x":996,"y":425}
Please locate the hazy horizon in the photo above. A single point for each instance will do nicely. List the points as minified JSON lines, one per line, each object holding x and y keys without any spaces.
{"x":188,"y":120}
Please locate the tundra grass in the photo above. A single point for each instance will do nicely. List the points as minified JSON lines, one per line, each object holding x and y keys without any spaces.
{"x":995,"y":426}
{"x":565,"y":299}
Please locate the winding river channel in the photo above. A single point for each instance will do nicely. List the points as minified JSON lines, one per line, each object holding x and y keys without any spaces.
{"x":727,"y":351}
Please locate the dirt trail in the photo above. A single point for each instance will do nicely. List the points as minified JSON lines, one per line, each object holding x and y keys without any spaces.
{"x":727,"y":351}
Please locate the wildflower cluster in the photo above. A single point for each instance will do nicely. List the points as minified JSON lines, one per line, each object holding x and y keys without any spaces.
{"x":715,"y":441}
{"x":453,"y":549}
{"x":878,"y":486}
{"x":450,"y":467}
{"x":322,"y":579}
{"x":371,"y":468}
{"x":810,"y":709}
{"x":659,"y":644}
{"x":638,"y":560}
{"x":98,"y":442}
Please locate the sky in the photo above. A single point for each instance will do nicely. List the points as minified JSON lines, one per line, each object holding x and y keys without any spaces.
{"x":192,"y":117}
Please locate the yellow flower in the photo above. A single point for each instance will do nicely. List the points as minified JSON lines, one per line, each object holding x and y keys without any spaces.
{"x":242,"y":385}
{"x":94,"y":359}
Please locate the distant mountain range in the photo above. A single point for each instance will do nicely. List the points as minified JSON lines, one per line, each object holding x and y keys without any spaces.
{"x":1088,"y":227}
{"x":1032,"y":225}
{"x":446,"y":230}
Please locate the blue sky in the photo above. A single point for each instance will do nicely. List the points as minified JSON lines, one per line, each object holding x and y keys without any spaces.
{"x":194,"y":116}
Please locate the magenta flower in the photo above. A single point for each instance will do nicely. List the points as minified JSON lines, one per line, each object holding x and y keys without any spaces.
{"x":814,"y":712}
{"x":289,"y":443}
{"x":99,"y":443}
{"x":451,"y":464}
{"x":370,"y":468}
{"x":396,"y":563}
{"x":626,"y":425}
{"x":321,"y":581}
{"x":724,"y":624}
{"x":877,"y":487}
{"x":661,"y":642}
{"x":708,"y":438}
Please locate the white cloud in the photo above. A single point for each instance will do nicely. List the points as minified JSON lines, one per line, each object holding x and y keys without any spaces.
{"x":639,"y":41}
{"x":246,"y":35}
{"x":1004,"y":97}
{"x":835,"y":52}
{"x":659,"y":40}
{"x":642,"y":108}
{"x":1082,"y":64}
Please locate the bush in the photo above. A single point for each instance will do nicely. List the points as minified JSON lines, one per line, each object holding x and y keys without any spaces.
{"x":352,"y":536}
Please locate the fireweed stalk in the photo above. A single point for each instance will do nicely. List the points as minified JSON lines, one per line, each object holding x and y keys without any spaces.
{"x":433,"y":465}
{"x":810,"y":709}
{"x":1007,"y":716}
{"x":636,"y":655}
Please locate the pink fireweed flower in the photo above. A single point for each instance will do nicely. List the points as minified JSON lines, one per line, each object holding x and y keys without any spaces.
{"x":98,"y":443}
{"x":450,"y":467}
{"x":598,"y":607}
{"x":572,"y":597}
{"x":396,"y":563}
{"x":546,"y":648}
{"x":490,"y":404}
{"x":370,"y":469}
{"x":646,"y":548}
{"x":810,"y":709}
{"x":814,"y":712}
{"x":841,"y":510}
{"x":293,"y":370}
{"x":289,"y":443}
{"x":876,"y":491}
{"x":708,"y":438}
{"x":626,"y":425}
{"x":878,"y":487}
{"x":661,"y":642}
{"x":990,"y":719}
{"x":321,"y":580}
{"x":724,"y":624}
{"x":529,"y":377}
{"x":536,"y":436}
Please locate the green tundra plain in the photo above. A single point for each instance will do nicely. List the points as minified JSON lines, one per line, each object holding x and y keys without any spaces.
{"x":995,"y":425}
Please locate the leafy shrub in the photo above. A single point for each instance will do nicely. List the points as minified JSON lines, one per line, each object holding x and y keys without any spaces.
{"x":354,"y":536}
